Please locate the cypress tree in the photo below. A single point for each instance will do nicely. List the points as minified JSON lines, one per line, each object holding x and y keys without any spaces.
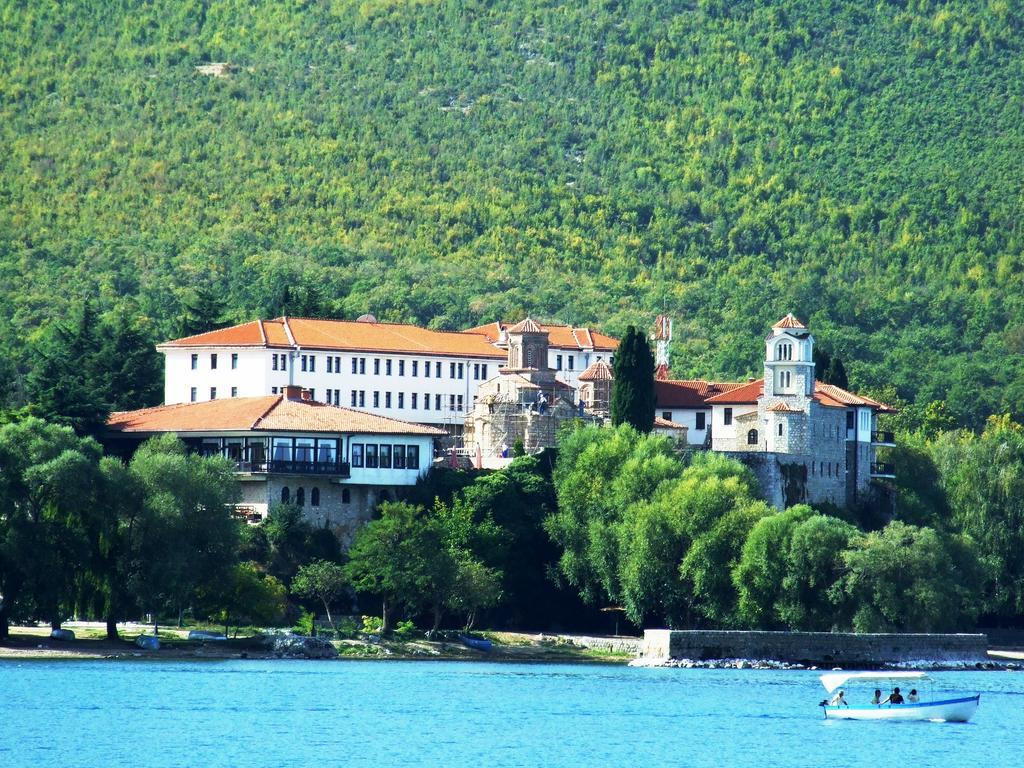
{"x":633,"y":388}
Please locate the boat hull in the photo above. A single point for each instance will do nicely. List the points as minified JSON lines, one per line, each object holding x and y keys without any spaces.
{"x":948,"y":710}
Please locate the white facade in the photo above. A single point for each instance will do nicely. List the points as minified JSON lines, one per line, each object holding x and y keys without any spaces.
{"x":696,"y":420}
{"x":394,"y":385}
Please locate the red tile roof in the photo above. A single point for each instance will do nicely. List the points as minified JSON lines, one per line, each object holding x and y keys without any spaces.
{"x":828,"y":395}
{"x":783,"y":408}
{"x":560,"y":336}
{"x":345,"y":335}
{"x":693,"y":393}
{"x":269,"y":413}
{"x":660,"y":423}
{"x":789,"y":321}
{"x":599,"y":371}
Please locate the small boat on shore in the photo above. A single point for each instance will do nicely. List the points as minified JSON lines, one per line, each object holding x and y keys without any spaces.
{"x":476,"y":643}
{"x":948,"y":710}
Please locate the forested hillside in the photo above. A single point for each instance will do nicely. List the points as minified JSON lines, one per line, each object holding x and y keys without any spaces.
{"x":449,"y":163}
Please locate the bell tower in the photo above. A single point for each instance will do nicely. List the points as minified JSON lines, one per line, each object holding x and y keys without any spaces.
{"x":789,"y":359}
{"x":527,"y":346}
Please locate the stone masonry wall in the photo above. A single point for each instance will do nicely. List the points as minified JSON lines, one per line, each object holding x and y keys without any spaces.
{"x":813,"y":647}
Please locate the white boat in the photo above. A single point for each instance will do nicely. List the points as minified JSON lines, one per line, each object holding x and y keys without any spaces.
{"x":949,"y":710}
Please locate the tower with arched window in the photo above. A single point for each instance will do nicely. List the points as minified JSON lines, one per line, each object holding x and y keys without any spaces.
{"x":789,"y":359}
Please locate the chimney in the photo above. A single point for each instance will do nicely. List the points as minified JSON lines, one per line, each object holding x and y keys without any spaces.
{"x":295,"y":392}
{"x":307,"y":395}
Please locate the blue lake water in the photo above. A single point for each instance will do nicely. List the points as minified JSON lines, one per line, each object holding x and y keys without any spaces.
{"x":308,"y":713}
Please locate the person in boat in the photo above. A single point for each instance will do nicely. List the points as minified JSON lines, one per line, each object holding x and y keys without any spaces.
{"x":877,"y":698}
{"x":913,"y":698}
{"x":895,"y":697}
{"x":839,"y":700}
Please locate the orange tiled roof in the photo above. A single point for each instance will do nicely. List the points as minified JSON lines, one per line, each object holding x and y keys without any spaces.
{"x":783,"y":408}
{"x":789,"y":321}
{"x":660,"y":423}
{"x":269,"y":413}
{"x":344,"y":335}
{"x":560,"y":336}
{"x":688,"y":393}
{"x":598,"y":371}
{"x":828,"y":395}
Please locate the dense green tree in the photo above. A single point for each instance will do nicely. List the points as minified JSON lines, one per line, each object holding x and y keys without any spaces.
{"x":909,"y":579}
{"x":321,"y":580}
{"x":202,"y":309}
{"x":476,"y":587}
{"x":190,"y":540}
{"x":982,"y":477}
{"x":401,"y":558}
{"x":245,"y":595}
{"x":632,"y":399}
{"x":813,"y":565}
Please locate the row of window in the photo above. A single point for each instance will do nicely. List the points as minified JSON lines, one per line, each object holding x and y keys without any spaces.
{"x":307,"y":363}
{"x":193,"y":394}
{"x":314,"y":496}
{"x":752,"y":435}
{"x":213,"y":361}
{"x":571,"y":363}
{"x":385,"y":456}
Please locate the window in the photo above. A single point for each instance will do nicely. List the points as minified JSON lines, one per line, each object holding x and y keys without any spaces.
{"x":399,"y":456}
{"x":558,"y":362}
{"x":213,"y":393}
{"x":752,"y":437}
{"x":426,"y":369}
{"x":385,"y":457}
{"x":476,"y":371}
{"x":355,"y":365}
{"x":312,"y":394}
{"x":285,"y":495}
{"x":362,"y":398}
{"x":462,"y":370}
{"x":437,"y":402}
{"x":437,"y":370}
{"x":329,"y":365}
{"x":376,"y":399}
{"x":312,"y":363}
{"x":371,"y":456}
{"x":451,"y":371}
{"x":273,"y":390}
{"x":401,"y":367}
{"x":426,"y":401}
{"x":483,"y":371}
{"x":362,"y":365}
{"x":413,"y":404}
{"x":284,"y":362}
{"x":195,"y":362}
{"x":813,"y":473}
{"x":346,"y":496}
{"x":273,"y":361}
{"x":192,"y":394}
{"x":451,"y":402}
{"x":401,"y":399}
{"x":666,"y":415}
{"x":572,"y":365}
{"x":387,"y":399}
{"x":849,"y":419}
{"x":700,"y":421}
{"x":357,"y":454}
{"x":780,"y":430}
{"x":727,"y":416}
{"x":337,"y":397}
{"x":314,"y":494}
{"x":376,"y":366}
{"x":300,"y":497}
{"x":305,"y":361}
{"x":412,"y":457}
{"x":213,"y":361}
{"x":337,"y":363}
{"x":784,"y":352}
{"x":459,"y":403}
{"x":415,"y":367}
{"x":234,"y":361}
{"x":234,"y":391}
{"x":387,"y":366}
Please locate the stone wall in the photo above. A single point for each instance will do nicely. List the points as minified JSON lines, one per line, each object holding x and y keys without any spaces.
{"x":823,"y":648}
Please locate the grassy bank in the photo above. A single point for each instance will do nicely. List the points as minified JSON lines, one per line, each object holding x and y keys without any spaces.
{"x":90,"y":643}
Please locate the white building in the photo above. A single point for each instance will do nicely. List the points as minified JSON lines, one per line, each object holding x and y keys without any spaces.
{"x":334,"y":463}
{"x":393,"y":370}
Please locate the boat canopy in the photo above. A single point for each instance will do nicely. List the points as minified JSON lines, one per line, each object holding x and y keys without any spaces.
{"x":834,"y":680}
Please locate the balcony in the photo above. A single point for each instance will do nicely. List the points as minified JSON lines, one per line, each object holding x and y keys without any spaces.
{"x":883,"y":470}
{"x":335,"y":468}
{"x":887,"y":439}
